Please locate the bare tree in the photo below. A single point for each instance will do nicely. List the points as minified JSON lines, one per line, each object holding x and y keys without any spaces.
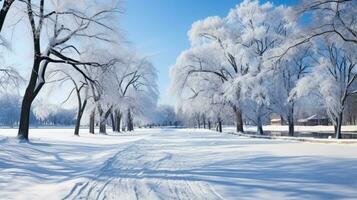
{"x":8,"y":75}
{"x":99,"y":91}
{"x":80,"y":89}
{"x":336,"y":17}
{"x":65,"y":27}
{"x":343,"y":70}
{"x":82,"y":102}
{"x":328,"y":17}
{"x":134,"y":84}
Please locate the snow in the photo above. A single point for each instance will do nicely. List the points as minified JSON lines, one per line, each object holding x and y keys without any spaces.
{"x":172,"y":164}
{"x":278,"y":128}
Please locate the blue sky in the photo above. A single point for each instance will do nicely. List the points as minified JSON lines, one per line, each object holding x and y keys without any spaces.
{"x":158,"y":29}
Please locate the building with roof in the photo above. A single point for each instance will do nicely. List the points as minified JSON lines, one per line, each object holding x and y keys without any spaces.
{"x":314,"y":120}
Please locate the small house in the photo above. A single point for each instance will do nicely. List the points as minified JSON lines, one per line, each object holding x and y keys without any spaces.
{"x":275,"y":119}
{"x":313,"y":120}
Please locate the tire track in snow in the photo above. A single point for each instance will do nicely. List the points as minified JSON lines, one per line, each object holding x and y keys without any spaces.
{"x":143,"y":171}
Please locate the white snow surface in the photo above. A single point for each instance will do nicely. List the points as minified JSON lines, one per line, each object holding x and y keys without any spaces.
{"x":285,"y":128}
{"x":172,"y":164}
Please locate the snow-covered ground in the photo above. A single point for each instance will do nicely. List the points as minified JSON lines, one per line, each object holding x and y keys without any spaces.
{"x":172,"y":164}
{"x":285,"y":128}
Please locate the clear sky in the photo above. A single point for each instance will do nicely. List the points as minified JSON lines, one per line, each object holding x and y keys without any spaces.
{"x":158,"y":29}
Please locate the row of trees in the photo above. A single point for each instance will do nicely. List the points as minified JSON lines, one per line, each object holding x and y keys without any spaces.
{"x":76,"y":43}
{"x":10,"y":107}
{"x":263,"y":58}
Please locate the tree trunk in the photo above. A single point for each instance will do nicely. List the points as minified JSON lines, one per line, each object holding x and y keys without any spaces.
{"x":339,"y":126}
{"x":239,"y":119}
{"x":113,"y":121}
{"x":34,"y":85}
{"x":3,"y":12}
{"x":209,"y":124}
{"x":78,"y":122}
{"x":260,"y":130}
{"x":198,"y":122}
{"x":291,"y":120}
{"x":103,"y":116}
{"x":204,"y":121}
{"x":130,"y":124}
{"x":118,"y":121}
{"x":291,"y":128}
{"x":103,"y":126}
{"x":91,"y":122}
{"x":30,"y":94}
{"x":103,"y":121}
{"x":260,"y":126}
{"x":79,"y":117}
{"x":24,"y":119}
{"x":220,"y":125}
{"x":76,"y":128}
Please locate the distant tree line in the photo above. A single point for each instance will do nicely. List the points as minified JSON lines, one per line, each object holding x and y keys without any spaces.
{"x":10,"y":107}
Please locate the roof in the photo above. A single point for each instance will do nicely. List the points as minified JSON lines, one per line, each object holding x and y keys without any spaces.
{"x":312,"y":117}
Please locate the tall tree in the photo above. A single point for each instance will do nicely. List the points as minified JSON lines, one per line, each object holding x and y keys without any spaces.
{"x":287,"y":73}
{"x":333,"y":79}
{"x":67,"y":25}
{"x":235,"y":50}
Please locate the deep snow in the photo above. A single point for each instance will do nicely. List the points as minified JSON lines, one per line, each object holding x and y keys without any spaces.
{"x":172,"y":164}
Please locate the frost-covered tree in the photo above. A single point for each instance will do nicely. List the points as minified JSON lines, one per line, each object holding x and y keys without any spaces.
{"x":79,"y":89}
{"x":214,"y":36}
{"x":264,"y":28}
{"x":195,"y":83}
{"x":327,"y":17}
{"x":59,"y":29}
{"x":100,"y":86}
{"x":128,"y":85}
{"x":235,"y":52}
{"x":334,"y":78}
{"x":288,"y":71}
{"x":137,"y":90}
{"x":82,"y":94}
{"x":331,"y":17}
{"x":9,"y":77}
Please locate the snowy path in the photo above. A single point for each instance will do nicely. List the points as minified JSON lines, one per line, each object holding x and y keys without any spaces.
{"x":175,"y":164}
{"x":150,"y":168}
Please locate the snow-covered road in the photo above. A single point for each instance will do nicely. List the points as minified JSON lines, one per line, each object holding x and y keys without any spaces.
{"x":174,"y":164}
